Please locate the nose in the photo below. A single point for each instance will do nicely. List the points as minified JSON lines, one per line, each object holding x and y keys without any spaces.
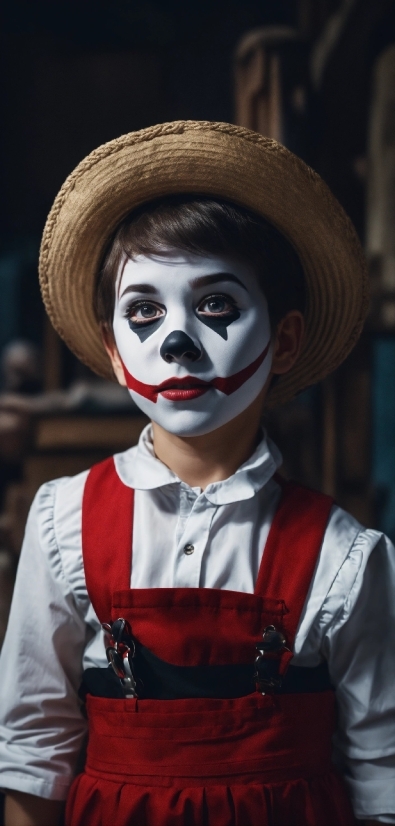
{"x":178,"y":346}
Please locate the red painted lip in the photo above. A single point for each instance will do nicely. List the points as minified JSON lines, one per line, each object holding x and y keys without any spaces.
{"x":190,"y":387}
{"x":183,"y":395}
{"x":178,"y":390}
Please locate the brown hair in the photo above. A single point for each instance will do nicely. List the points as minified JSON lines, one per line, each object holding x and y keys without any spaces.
{"x":201,"y":226}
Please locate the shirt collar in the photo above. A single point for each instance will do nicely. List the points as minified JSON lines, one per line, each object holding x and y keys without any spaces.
{"x":139,"y":468}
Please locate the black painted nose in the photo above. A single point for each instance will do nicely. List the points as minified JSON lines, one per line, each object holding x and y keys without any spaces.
{"x":177,"y":345}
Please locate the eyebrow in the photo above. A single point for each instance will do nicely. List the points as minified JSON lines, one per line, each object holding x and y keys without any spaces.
{"x":200,"y":281}
{"x":216,"y":278}
{"x":140,"y":288}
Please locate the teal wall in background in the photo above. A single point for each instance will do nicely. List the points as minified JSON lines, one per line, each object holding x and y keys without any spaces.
{"x":21,"y":310}
{"x":383,"y":419}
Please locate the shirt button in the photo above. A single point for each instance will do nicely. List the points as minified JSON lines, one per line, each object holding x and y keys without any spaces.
{"x":189,"y":549}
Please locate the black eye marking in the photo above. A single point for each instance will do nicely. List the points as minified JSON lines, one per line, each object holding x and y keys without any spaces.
{"x":148,"y":322}
{"x":216,"y":316}
{"x":144,"y":331}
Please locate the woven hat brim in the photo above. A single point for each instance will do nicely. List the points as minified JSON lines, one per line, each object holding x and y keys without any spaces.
{"x":220,"y":160}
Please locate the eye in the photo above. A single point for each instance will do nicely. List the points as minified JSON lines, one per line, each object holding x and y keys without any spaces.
{"x":142,"y":312}
{"x":217,"y":305}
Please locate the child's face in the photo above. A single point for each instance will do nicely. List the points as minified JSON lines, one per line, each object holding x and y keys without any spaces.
{"x":193,"y":334}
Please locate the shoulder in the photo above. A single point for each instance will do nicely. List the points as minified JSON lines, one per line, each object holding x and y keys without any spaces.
{"x":55,"y":520}
{"x":345,"y":537}
{"x":346,"y":552}
{"x":366,"y":558}
{"x":342,"y":533}
{"x":54,"y":528}
{"x":58,"y":503}
{"x":349,"y":552}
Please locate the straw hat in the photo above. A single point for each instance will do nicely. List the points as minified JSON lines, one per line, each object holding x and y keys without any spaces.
{"x":212,"y":159}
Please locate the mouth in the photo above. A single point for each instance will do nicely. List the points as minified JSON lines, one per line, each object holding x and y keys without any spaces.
{"x":183,"y":389}
{"x":191,"y":387}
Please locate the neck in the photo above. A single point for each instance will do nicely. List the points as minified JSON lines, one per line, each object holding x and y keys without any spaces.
{"x":201,"y":460}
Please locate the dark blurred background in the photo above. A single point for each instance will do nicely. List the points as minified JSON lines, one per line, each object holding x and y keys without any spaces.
{"x":318,"y":75}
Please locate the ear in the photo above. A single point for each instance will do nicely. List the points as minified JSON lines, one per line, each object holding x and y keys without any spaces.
{"x":112,"y":352}
{"x":288,"y":342}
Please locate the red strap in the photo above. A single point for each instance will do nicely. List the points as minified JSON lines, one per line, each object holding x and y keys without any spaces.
{"x":107,"y":530}
{"x":292,"y":549}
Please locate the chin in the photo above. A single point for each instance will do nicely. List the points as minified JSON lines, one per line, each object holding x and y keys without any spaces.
{"x":189,"y":429}
{"x":190,"y":423}
{"x":182,"y":422}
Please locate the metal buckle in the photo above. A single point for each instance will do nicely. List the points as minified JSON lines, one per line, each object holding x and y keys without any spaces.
{"x":267,"y":679}
{"x":120,"y":650}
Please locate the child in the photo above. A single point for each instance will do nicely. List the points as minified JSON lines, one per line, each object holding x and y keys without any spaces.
{"x":247,"y":620}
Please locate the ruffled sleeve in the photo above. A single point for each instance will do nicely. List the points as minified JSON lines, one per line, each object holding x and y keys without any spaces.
{"x":42,"y":728}
{"x":349,"y":620}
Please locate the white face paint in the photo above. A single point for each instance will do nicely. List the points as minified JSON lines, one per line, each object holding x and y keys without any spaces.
{"x":193,"y":334}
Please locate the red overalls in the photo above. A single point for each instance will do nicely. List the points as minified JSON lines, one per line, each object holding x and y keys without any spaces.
{"x":255,"y":760}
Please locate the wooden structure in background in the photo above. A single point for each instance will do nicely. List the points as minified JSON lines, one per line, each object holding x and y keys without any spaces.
{"x":258,"y":87}
{"x":340,"y":40}
{"x":343,"y":55}
{"x":380,"y":228}
{"x":266,"y":89}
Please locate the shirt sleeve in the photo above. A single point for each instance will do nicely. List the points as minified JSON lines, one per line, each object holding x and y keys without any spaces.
{"x":42,"y":728}
{"x":359,"y":646}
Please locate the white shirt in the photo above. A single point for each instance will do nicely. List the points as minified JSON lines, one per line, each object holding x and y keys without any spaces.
{"x":53,"y":632}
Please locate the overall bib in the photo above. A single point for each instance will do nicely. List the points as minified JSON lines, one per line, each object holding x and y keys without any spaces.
{"x":177,"y":755}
